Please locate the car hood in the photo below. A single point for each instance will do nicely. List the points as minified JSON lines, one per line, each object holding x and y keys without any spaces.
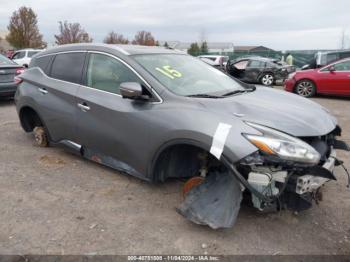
{"x":279,"y":110}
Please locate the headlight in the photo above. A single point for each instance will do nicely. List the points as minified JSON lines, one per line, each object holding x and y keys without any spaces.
{"x":282,"y":145}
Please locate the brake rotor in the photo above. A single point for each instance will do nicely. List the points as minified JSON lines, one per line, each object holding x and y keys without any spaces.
{"x":191,"y":183}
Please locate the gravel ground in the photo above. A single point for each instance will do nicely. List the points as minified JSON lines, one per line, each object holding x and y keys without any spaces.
{"x":53,"y":202}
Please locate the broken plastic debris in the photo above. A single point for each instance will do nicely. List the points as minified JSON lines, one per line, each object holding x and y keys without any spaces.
{"x":215,"y":202}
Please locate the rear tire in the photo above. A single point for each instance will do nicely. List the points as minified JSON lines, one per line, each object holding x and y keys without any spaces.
{"x":267,"y":79}
{"x":40,"y":136}
{"x":305,"y":88}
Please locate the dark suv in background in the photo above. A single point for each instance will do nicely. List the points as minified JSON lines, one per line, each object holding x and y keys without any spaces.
{"x":259,"y":70}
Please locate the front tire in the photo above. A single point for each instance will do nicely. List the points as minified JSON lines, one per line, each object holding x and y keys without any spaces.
{"x":305,"y":88}
{"x":267,"y":79}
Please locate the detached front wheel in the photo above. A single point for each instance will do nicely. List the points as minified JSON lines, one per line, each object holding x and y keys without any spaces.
{"x":267,"y":79}
{"x":306,"y":88}
{"x":40,"y":136}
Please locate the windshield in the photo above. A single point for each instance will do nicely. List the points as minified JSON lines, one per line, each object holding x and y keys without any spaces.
{"x":185,"y":75}
{"x":5,"y":61}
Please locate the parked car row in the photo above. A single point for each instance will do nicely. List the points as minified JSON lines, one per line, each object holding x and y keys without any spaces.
{"x":157,"y":114}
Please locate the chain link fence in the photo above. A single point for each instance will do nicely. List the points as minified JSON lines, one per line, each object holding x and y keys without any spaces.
{"x":300,"y":57}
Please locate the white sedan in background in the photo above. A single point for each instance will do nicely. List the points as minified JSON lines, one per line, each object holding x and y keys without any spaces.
{"x":24,"y":56}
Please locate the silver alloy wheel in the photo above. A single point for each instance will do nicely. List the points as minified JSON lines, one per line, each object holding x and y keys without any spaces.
{"x":267,"y":80}
{"x":305,"y":88}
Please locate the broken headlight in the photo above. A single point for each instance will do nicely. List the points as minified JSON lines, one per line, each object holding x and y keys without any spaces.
{"x":282,"y":145}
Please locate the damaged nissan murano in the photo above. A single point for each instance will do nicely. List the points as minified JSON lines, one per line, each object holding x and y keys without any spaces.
{"x":157,"y":113}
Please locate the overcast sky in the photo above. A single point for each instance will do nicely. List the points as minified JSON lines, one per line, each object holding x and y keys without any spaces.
{"x":279,"y":24}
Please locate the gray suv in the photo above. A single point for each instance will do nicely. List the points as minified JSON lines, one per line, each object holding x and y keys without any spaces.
{"x":157,"y":113}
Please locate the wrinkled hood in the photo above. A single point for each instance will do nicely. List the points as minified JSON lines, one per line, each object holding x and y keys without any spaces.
{"x":277,"y":109}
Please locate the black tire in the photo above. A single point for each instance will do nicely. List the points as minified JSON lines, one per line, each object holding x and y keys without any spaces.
{"x":267,"y":79}
{"x":305,"y":88}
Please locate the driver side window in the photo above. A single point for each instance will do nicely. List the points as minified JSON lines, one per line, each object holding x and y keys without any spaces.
{"x":106,"y":73}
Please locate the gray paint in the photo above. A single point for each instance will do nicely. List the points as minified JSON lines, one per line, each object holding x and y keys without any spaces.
{"x":135,"y":132}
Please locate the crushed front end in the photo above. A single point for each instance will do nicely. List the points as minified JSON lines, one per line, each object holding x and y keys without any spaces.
{"x":281,"y":182}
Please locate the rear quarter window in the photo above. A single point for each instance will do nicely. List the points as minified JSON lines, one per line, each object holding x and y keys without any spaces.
{"x":68,"y":67}
{"x":43,"y":63}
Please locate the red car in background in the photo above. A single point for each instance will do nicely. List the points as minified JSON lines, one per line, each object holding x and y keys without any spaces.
{"x":331,"y":79}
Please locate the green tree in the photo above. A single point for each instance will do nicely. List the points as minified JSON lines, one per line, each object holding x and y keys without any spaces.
{"x":204,"y":47}
{"x":194,"y":49}
{"x":166,"y":44}
{"x":23,"y":29}
{"x":71,"y":33}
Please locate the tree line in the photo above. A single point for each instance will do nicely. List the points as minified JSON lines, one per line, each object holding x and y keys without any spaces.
{"x":24,"y":33}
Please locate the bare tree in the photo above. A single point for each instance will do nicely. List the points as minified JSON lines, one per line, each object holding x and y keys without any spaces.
{"x":114,"y":38}
{"x":144,"y":38}
{"x":23,"y":29}
{"x":71,"y":33}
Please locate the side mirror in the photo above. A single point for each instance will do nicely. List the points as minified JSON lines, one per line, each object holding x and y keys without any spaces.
{"x":331,"y":69}
{"x":131,"y":90}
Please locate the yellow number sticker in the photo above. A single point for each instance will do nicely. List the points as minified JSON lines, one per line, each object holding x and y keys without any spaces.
{"x":169,"y":72}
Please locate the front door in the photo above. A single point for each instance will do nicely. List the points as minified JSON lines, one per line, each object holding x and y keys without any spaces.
{"x":108,"y":124}
{"x":337,"y":81}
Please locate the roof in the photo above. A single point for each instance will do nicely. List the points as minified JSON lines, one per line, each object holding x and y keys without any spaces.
{"x":124,"y":49}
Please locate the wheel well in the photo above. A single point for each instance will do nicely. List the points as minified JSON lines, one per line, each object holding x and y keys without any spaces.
{"x":182,"y":161}
{"x":29,"y":119}
{"x":303,"y":79}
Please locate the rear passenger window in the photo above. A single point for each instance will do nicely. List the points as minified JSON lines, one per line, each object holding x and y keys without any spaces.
{"x":68,"y":67}
{"x":43,"y":63}
{"x":107,"y":73}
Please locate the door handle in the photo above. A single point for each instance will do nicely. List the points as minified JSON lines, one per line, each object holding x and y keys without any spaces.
{"x":84,"y":107}
{"x":42,"y":90}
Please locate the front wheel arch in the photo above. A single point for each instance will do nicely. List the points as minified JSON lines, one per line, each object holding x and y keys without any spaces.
{"x":164,"y":155}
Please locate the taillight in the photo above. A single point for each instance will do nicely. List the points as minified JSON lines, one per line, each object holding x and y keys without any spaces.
{"x":19,"y":71}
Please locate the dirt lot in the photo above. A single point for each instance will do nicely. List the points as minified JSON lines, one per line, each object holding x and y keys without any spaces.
{"x":55,"y":203}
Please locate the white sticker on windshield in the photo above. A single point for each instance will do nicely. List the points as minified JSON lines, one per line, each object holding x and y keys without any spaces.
{"x":219,"y":139}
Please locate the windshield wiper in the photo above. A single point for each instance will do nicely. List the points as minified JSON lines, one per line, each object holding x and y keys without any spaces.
{"x":204,"y":96}
{"x":240,"y":91}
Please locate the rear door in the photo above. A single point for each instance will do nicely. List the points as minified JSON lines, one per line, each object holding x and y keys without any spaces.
{"x":56,"y":96}
{"x":254,"y":70}
{"x":107,"y":123}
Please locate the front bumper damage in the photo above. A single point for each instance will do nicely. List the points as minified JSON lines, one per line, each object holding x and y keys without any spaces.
{"x":269,"y":184}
